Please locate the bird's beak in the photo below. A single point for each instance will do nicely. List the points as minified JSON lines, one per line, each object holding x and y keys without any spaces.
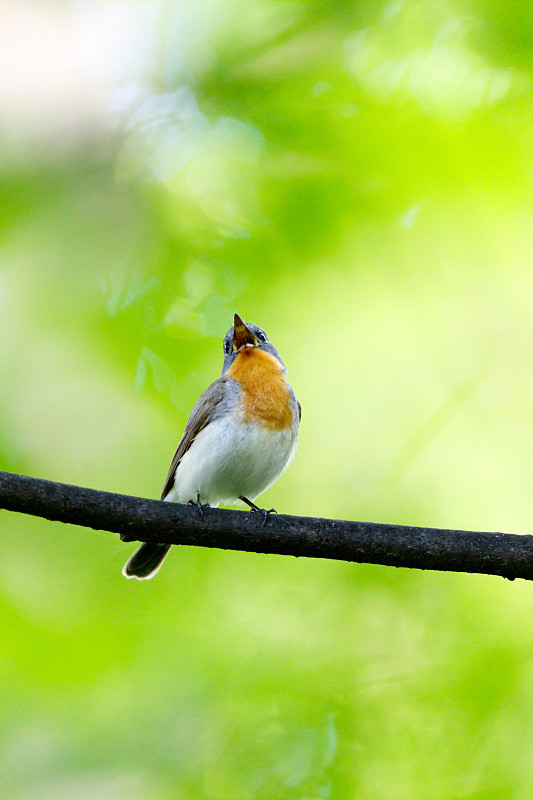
{"x":242,"y":335}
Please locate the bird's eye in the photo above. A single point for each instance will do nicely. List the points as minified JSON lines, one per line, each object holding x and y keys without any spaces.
{"x":261,"y":336}
{"x":227,"y":347}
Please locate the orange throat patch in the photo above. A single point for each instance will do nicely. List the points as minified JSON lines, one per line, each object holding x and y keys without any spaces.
{"x":266,"y":395}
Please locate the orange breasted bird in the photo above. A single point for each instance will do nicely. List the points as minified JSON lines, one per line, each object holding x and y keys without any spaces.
{"x":239,"y":438}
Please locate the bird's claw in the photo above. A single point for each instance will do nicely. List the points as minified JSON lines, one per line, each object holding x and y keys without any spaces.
{"x":253,"y":509}
{"x":265,"y":512}
{"x":199,"y":506}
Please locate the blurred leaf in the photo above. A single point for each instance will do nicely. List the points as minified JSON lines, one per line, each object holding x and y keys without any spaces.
{"x":165,"y":381}
{"x":126,"y":285}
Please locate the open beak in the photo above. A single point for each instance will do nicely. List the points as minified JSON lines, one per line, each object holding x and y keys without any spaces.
{"x":242,"y":336}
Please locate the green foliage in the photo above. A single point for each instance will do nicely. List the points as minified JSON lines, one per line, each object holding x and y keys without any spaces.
{"x":356,"y":178}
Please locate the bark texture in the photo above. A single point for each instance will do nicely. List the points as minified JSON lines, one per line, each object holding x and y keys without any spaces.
{"x":140,"y":519}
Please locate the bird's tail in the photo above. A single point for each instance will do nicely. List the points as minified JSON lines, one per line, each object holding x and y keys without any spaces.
{"x":146,"y":561}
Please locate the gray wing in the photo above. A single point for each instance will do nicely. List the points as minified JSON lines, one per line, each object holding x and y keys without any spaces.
{"x":200,"y":417}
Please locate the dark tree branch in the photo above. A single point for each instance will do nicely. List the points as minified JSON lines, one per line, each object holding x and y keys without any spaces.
{"x":138,"y":519}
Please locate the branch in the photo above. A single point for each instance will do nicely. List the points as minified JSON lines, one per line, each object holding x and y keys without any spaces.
{"x":139,"y":519}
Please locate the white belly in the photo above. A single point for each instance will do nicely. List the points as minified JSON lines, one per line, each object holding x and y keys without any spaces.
{"x":227,"y":460}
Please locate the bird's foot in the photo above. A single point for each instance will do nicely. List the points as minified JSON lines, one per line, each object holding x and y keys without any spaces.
{"x":199,"y":506}
{"x":254,"y":509}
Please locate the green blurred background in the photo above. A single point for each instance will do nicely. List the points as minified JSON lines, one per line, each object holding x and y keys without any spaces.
{"x":358,"y":179}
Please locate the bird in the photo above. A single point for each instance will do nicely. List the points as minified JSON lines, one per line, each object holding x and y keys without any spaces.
{"x":240,"y":436}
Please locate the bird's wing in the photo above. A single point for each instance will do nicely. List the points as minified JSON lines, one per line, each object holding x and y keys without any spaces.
{"x":200,"y":417}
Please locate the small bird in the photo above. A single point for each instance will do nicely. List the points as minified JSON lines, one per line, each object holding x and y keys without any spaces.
{"x":239,"y":438}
